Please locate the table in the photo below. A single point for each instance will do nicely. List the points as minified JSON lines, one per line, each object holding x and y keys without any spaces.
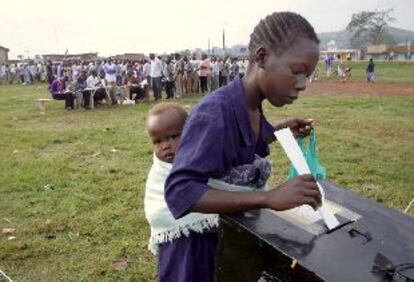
{"x":42,"y":104}
{"x":92,"y":92}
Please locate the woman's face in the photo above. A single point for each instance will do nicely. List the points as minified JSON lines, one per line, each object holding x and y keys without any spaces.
{"x":281,"y":77}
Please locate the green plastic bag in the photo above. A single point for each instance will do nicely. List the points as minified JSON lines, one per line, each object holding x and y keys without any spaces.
{"x":311,"y":155}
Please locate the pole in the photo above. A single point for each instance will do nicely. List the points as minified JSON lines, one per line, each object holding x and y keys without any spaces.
{"x":224,"y":41}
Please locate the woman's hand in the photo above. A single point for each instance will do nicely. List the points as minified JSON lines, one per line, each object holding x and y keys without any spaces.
{"x":301,"y":190}
{"x":299,"y":126}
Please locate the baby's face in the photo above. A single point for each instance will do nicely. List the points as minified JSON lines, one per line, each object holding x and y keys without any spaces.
{"x":165,"y":130}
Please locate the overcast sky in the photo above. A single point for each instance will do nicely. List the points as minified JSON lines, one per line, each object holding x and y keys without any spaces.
{"x":119,"y":26}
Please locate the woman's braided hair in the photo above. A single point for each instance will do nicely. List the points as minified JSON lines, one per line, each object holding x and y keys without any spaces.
{"x":278,"y":31}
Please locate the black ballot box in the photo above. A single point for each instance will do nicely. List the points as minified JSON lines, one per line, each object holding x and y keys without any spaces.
{"x":370,"y":244}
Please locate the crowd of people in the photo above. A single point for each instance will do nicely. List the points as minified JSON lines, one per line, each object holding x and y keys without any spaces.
{"x":116,"y":82}
{"x":23,"y":73}
{"x":126,"y":81}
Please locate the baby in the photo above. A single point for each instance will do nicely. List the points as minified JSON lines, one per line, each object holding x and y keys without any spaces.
{"x":165,"y":123}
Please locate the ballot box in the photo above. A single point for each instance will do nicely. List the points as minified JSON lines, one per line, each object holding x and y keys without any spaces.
{"x":263,"y":245}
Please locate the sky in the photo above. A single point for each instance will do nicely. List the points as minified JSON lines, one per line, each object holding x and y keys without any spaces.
{"x":113,"y":27}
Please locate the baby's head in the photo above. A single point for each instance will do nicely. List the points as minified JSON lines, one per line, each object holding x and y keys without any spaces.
{"x":165,"y":123}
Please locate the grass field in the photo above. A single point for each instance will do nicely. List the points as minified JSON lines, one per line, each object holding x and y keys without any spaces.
{"x":390,"y":72}
{"x":72,"y":183}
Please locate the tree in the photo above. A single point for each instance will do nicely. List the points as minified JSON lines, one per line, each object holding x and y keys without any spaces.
{"x":370,"y":28}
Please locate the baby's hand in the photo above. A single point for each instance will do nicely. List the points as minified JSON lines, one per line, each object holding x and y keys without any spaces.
{"x":298,"y":191}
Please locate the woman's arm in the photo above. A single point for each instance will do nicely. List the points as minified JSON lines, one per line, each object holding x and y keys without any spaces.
{"x":295,"y":192}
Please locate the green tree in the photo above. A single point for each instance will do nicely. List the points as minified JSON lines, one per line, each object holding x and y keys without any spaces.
{"x":370,"y":28}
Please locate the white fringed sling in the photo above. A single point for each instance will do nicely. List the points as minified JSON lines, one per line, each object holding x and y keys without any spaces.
{"x":164,"y":227}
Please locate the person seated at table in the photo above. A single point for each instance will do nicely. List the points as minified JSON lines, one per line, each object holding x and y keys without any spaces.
{"x":91,"y":82}
{"x":94,"y":83}
{"x":133,"y":90}
{"x":78,"y":88}
{"x":58,"y":92}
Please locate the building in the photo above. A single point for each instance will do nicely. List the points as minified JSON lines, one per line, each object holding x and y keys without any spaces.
{"x":239,"y":51}
{"x":343,"y":54}
{"x":57,"y":58}
{"x":402,"y":52}
{"x":130,"y":57}
{"x":4,"y":55}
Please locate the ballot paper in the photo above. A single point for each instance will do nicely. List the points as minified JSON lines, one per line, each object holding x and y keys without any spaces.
{"x":295,"y":155}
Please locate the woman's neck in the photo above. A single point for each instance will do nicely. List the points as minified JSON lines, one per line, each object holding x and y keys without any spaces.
{"x":252,"y":92}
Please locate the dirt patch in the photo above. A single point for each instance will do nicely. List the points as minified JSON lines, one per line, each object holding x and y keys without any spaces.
{"x":332,"y":88}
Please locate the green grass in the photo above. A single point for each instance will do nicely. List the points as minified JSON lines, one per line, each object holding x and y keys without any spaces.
{"x":77,"y":205}
{"x":388,"y":72}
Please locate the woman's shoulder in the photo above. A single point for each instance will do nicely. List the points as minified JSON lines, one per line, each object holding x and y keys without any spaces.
{"x":213,"y":109}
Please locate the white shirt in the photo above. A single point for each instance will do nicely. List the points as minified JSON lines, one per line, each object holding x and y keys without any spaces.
{"x":196,"y":65}
{"x":242,"y":67}
{"x":156,"y":68}
{"x":124,"y":68}
{"x":147,"y":69}
{"x":33,"y":69}
{"x":91,"y":82}
{"x":216,"y":68}
{"x":110,"y":72}
{"x":59,"y":70}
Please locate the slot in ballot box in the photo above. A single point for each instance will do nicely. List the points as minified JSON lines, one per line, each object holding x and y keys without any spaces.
{"x":263,"y":245}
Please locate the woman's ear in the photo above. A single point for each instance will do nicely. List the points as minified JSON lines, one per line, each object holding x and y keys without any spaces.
{"x":260,"y":56}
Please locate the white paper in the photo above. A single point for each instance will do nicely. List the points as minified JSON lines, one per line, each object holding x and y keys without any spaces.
{"x":296,"y":157}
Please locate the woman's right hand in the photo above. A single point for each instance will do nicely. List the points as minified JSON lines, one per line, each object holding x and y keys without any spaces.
{"x":294,"y":192}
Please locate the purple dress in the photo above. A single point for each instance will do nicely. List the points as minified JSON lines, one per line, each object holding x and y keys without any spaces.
{"x":217,"y":137}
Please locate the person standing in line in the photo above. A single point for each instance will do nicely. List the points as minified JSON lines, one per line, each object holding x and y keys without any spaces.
{"x":33,"y":73}
{"x":169,"y":76}
{"x":110,"y":77}
{"x":101,"y":71}
{"x":204,"y":71}
{"x":188,"y":75}
{"x":224,"y":66}
{"x":49,"y":72}
{"x":13,"y":73}
{"x":118,"y":73}
{"x":20,"y":73}
{"x":195,"y":75}
{"x":7,"y":73}
{"x":26,"y":74}
{"x":59,"y":70}
{"x":234,"y":69}
{"x":74,"y":72}
{"x":215,"y":74}
{"x":2,"y":73}
{"x":156,"y":73}
{"x":242,"y":67}
{"x":147,"y":71}
{"x":179,"y":73}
